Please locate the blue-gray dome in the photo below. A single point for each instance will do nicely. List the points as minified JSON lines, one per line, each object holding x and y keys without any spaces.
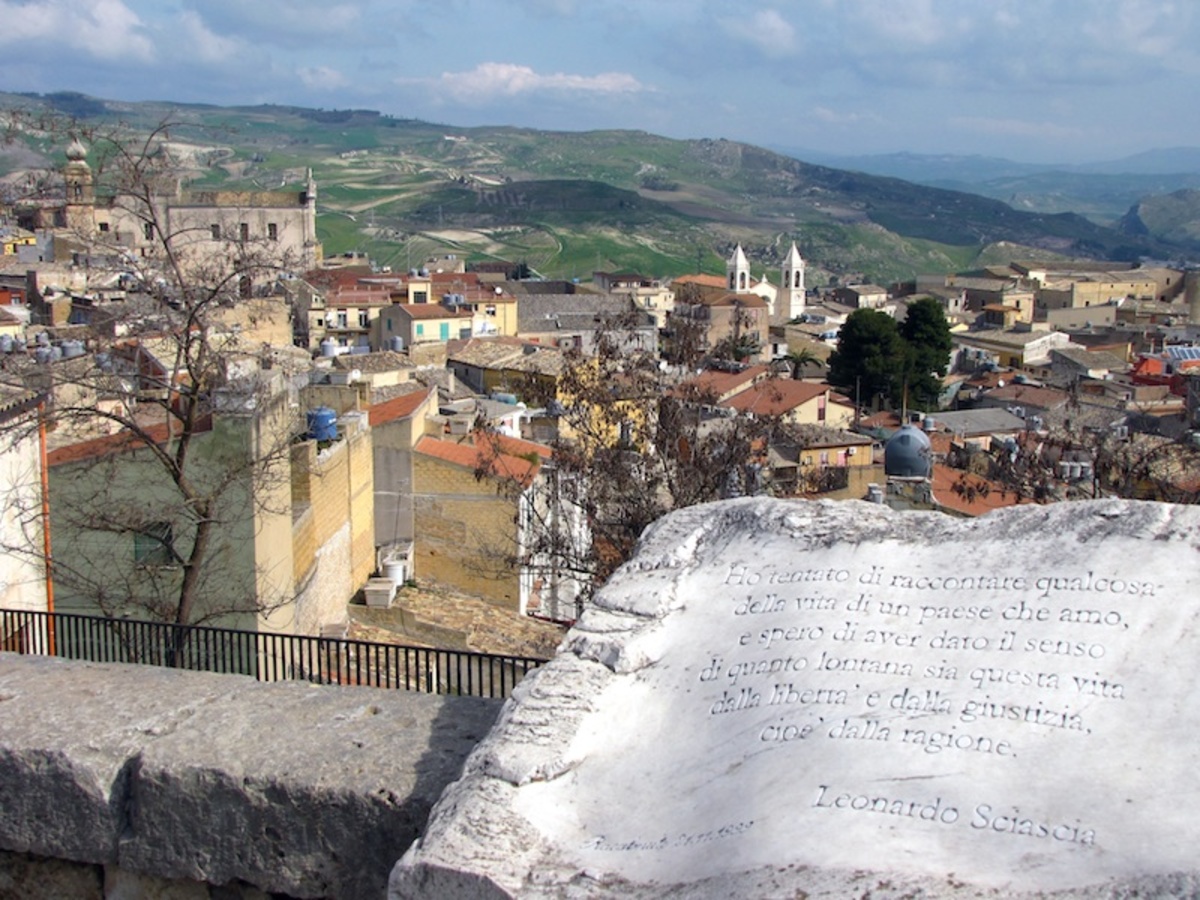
{"x":907,"y":454}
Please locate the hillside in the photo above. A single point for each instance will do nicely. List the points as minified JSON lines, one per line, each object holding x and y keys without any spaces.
{"x":1174,"y":217}
{"x":570,"y":203}
{"x":1101,"y":191}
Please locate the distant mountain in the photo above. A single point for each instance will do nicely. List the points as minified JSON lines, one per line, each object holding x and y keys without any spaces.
{"x":1101,"y":191}
{"x":1167,"y":161}
{"x":934,"y":169}
{"x":1172,"y":217}
{"x":568,"y":203}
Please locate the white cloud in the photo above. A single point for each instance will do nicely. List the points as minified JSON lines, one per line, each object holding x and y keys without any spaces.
{"x":835,"y":117}
{"x":323,"y":78}
{"x":204,"y":43}
{"x":296,"y":24}
{"x":1017,"y":128}
{"x":491,"y":79}
{"x":767,"y":31}
{"x":102,"y":29}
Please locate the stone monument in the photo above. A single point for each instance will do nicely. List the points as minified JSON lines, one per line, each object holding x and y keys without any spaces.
{"x":801,"y":699}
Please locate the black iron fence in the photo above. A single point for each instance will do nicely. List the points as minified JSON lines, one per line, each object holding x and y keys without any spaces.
{"x":264,"y":655}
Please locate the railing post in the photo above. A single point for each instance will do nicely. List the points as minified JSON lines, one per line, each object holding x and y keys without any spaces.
{"x":268,"y":656}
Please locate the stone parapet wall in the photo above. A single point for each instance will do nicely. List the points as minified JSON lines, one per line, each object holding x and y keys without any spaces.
{"x":143,"y":774}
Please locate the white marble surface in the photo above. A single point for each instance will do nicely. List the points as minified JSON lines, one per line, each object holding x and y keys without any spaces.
{"x":805,"y":696}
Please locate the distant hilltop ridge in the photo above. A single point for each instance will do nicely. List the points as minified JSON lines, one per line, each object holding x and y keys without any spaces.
{"x":570,"y":203}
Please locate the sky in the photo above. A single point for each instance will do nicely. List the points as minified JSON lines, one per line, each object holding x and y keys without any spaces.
{"x":1032,"y":80}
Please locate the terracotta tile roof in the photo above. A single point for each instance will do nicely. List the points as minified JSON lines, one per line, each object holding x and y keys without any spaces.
{"x":748,"y":301}
{"x":472,"y":457}
{"x":1029,"y":395}
{"x":518,"y":446}
{"x":775,"y":396}
{"x":974,"y":495}
{"x":720,"y":385}
{"x":332,"y":278}
{"x":708,"y":281}
{"x":467,"y":279}
{"x":940,"y":442}
{"x":114,"y":443}
{"x":430,"y":311}
{"x":398,"y":407}
{"x":884,"y":419}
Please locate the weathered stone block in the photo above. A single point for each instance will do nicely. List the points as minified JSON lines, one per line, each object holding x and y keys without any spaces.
{"x":303,"y":790}
{"x":783,"y":699}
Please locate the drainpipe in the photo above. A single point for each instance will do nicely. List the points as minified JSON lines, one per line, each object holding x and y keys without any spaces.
{"x":44,"y":466}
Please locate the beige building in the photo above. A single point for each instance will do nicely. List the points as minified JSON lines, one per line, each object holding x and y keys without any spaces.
{"x":643,"y":293}
{"x":821,"y":460}
{"x":793,"y":402}
{"x":212,"y":233}
{"x":725,"y":319}
{"x":294,"y":535}
{"x":408,"y":324}
{"x":467,"y":513}
{"x":1098,"y":289}
{"x":1014,"y":349}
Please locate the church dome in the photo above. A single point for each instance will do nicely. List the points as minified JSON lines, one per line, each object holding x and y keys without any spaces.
{"x":907,"y":454}
{"x":76,"y":152}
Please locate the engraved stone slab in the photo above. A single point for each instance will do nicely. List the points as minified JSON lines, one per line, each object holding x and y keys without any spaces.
{"x":836,"y":699}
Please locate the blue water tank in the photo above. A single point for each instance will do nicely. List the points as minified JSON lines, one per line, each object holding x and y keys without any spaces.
{"x":322,"y":424}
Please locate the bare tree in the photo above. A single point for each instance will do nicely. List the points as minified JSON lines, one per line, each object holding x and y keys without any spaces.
{"x":1085,"y":451}
{"x":171,"y":432}
{"x":635,"y":442}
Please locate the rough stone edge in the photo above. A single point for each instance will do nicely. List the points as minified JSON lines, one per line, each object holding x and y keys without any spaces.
{"x":596,"y":652}
{"x":116,"y":782}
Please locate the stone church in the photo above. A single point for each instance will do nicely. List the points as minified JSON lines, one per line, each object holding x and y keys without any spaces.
{"x":202,"y":227}
{"x":785,"y":302}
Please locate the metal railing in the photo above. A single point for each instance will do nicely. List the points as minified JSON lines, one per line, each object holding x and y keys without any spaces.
{"x":264,"y":655}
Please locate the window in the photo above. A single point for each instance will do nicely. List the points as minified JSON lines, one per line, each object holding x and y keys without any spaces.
{"x":420,"y":297}
{"x":364,"y":318}
{"x":444,"y":331}
{"x":342,"y":318}
{"x":104,"y":227}
{"x":245,"y":286}
{"x":824,"y":457}
{"x":244,"y":231}
{"x":216,"y":232}
{"x":272,"y":231}
{"x":152,"y":546}
{"x":420,"y":329}
{"x":148,"y":231}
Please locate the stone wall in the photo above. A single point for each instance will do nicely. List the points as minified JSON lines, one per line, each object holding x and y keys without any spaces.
{"x":155,"y":782}
{"x":464,"y":532}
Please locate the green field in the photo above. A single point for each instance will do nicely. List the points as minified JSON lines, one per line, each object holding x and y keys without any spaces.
{"x":570,"y":203}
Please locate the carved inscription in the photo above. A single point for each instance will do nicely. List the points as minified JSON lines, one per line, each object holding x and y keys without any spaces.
{"x":972,"y":663}
{"x":1021,"y":649}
